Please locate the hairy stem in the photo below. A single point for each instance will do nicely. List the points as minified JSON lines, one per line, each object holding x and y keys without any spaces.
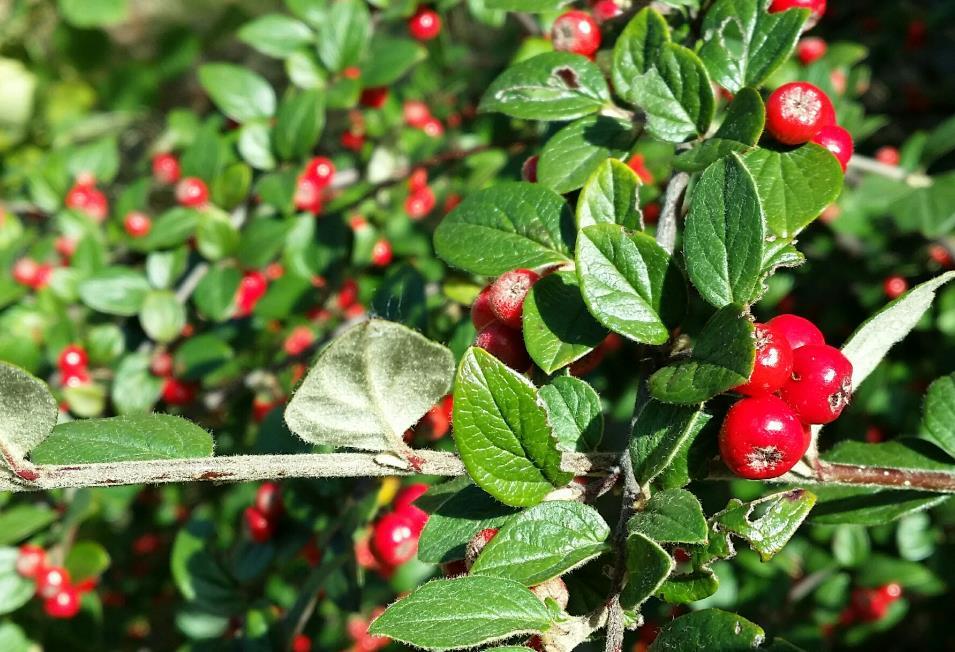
{"x":672,"y":205}
{"x":868,"y":165}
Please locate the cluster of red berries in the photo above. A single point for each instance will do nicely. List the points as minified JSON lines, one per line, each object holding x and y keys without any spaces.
{"x":73,"y":364}
{"x":32,"y":274}
{"x":498,"y":316}
{"x":251,"y":289}
{"x":421,"y":200}
{"x":86,"y":198}
{"x":312,"y":183}
{"x":174,"y":391}
{"x":262,"y":516}
{"x":418,"y":115}
{"x":394,"y":536}
{"x":870,"y":605}
{"x":362,"y":641}
{"x":799,"y":112}
{"x":816,"y":9}
{"x":61,"y":597}
{"x":797,"y":381}
{"x":435,"y":424}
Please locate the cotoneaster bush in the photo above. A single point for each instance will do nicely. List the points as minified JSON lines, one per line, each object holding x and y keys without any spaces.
{"x":499,"y":324}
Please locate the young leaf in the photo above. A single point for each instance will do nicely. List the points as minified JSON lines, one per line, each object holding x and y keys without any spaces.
{"x":15,"y":590}
{"x":574,"y":412}
{"x":370,"y":385}
{"x":766,"y":524}
{"x":725,"y":229}
{"x":123,"y":439}
{"x":299,"y":124}
{"x":462,"y":612}
{"x":505,"y":227}
{"x":574,"y":152}
{"x":629,"y":283}
{"x":636,"y":51}
{"x":872,"y":340}
{"x":709,"y":629}
{"x":610,"y":196}
{"x":660,"y":431}
{"x":550,"y":86}
{"x":28,"y":412}
{"x":343,"y":34}
{"x":457,"y":520}
{"x":938,"y":413}
{"x":740,"y":131}
{"x":502,"y":433}
{"x":743,"y":44}
{"x":544,"y":542}
{"x":237,"y":91}
{"x":723,"y":358}
{"x":671,"y":516}
{"x":115,"y":291}
{"x":275,"y":35}
{"x":557,"y":327}
{"x":648,"y":567}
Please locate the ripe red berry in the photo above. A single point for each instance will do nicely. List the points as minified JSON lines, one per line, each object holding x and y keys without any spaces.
{"x":166,"y":168}
{"x":86,"y":198}
{"x":529,"y":169}
{"x":816,"y":8}
{"x":838,"y":141}
{"x":506,"y":344}
{"x":774,"y":363}
{"x":477,"y":544}
{"x":73,"y":358}
{"x":651,"y":213}
{"x":507,"y":294}
{"x":638,"y":163}
{"x":394,"y":539}
{"x":436,"y":423}
{"x":382,"y":253}
{"x":797,"y":330}
{"x":417,"y":180}
{"x":258,"y":525}
{"x":192,"y":192}
{"x":301,"y":643}
{"x":27,"y":271}
{"x":797,"y":111}
{"x":425,"y":24}
{"x":894,"y":286}
{"x":940,"y":255}
{"x":299,"y":340}
{"x":821,"y":383}
{"x":415,"y":113}
{"x":433,"y":127}
{"x":353,"y":140}
{"x":50,"y":580}
{"x":308,"y":195}
{"x":374,"y":98}
{"x":888,"y":155}
{"x":403,"y":504}
{"x":137,"y":225}
{"x":268,"y":500}
{"x":75,"y":378}
{"x":252,"y":287}
{"x":66,"y":247}
{"x":30,"y":560}
{"x":65,"y":603}
{"x":577,"y":32}
{"x":161,"y":364}
{"x":177,"y":392}
{"x":419,"y":203}
{"x":321,"y":170}
{"x":481,"y":314}
{"x":761,"y":438}
{"x":605,"y":10}
{"x":811,"y":48}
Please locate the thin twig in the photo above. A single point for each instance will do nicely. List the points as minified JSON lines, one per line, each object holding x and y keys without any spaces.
{"x":860,"y":163}
{"x":672,"y":205}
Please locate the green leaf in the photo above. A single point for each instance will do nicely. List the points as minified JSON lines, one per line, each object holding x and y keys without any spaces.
{"x":929,"y":210}
{"x":99,"y":158}
{"x":574,"y":152}
{"x":162,"y":315}
{"x":171,"y":229}
{"x":368,"y":386}
{"x":870,"y":342}
{"x":401,"y":297}
{"x":557,"y":327}
{"x":660,"y":431}
{"x":457,"y":520}
{"x":530,"y":6}
{"x":671,"y":516}
{"x":343,"y":34}
{"x":549,"y":86}
{"x":629,"y":283}
{"x":648,"y":567}
{"x":17,"y":522}
{"x":684,"y":589}
{"x":237,"y":91}
{"x":722,"y":358}
{"x":115,"y":291}
{"x":15,"y":590}
{"x":710,"y":629}
{"x":743,"y":44}
{"x":462,"y":612}
{"x":635,"y":52}
{"x":86,"y":560}
{"x":505,"y":227}
{"x":127,"y":438}
{"x":610,"y":196}
{"x":938,"y":414}
{"x":299,"y":124}
{"x":215,"y":295}
{"x":869,"y":507}
{"x":198,"y":574}
{"x":275,"y":35}
{"x":794,"y":186}
{"x":87,"y":14}
{"x":255,"y":145}
{"x":12,"y":636}
{"x":740,"y":131}
{"x":388,"y":59}
{"x":725,"y":229}
{"x":28,"y":412}
{"x":502,"y":433}
{"x":574,"y":412}
{"x":766,"y":524}
{"x":231,"y":186}
{"x":216,"y":236}
{"x":544,"y":542}
{"x":676,"y":95}
{"x":135,"y":389}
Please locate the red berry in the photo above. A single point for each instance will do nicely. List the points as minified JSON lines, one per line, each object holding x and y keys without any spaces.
{"x":321,"y":170}
{"x":192,"y":192}
{"x":774,"y":363}
{"x":417,"y":180}
{"x":308,"y":195}
{"x":506,"y":344}
{"x":374,"y":98}
{"x":588,"y":363}
{"x":166,"y":168}
{"x":351,"y":72}
{"x":65,"y":246}
{"x":177,"y":392}
{"x":261,"y":408}
{"x":252,"y":287}
{"x":299,"y":340}
{"x":477,"y":544}
{"x":577,"y":32}
{"x":529,"y":169}
{"x":50,"y":580}
{"x":507,"y":294}
{"x":761,"y":438}
{"x":268,"y":500}
{"x":637,"y":163}
{"x":816,"y":7}
{"x":433,"y":127}
{"x":838,"y":141}
{"x":258,"y":525}
{"x":161,"y":364}
{"x":940,"y":255}
{"x":403,"y":504}
{"x":348,"y":295}
{"x":301,"y":643}
{"x":30,"y":560}
{"x":821,"y":383}
{"x":416,"y":113}
{"x":137,"y":224}
{"x":888,"y":155}
{"x":894,"y":286}
{"x":481,"y":314}
{"x":797,"y":111}
{"x":86,"y":198}
{"x":75,"y":378}
{"x":436,"y":423}
{"x":797,"y":330}
{"x":73,"y":358}
{"x":394,"y":539}
{"x":811,"y":48}
{"x":65,"y":603}
{"x":605,"y":10}
{"x":146,"y":544}
{"x":381,"y":253}
{"x":419,"y":203}
{"x":651,"y":213}
{"x":353,"y":140}
{"x":425,"y":24}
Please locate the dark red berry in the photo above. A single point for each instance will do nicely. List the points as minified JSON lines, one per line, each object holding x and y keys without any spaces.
{"x":577,"y":32}
{"x":258,"y":525}
{"x":425,"y":24}
{"x":838,"y":141}
{"x":268,"y":500}
{"x":774,"y":363}
{"x":761,"y":438}
{"x":374,"y":98}
{"x":811,"y":48}
{"x":301,"y":643}
{"x":178,"y":392}
{"x":506,"y":344}
{"x":65,"y":603}
{"x":481,"y":314}
{"x":797,"y":330}
{"x":507,"y":294}
{"x":529,"y":169}
{"x":797,"y":111}
{"x":821,"y":383}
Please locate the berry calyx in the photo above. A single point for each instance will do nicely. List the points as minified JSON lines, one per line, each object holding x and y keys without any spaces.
{"x":30,"y":560}
{"x":404,"y":504}
{"x":65,"y":603}
{"x":797,"y":330}
{"x":821,"y":383}
{"x":810,"y":49}
{"x":481,"y":314}
{"x":268,"y":500}
{"x":577,"y":32}
{"x":73,"y":358}
{"x":838,"y":141}
{"x":888,"y":155}
{"x":382,"y":253}
{"x":425,"y":24}
{"x":894,"y":286}
{"x":506,"y":344}
{"x":477,"y":544}
{"x":816,"y":8}
{"x":394,"y":539}
{"x":761,"y":438}
{"x":258,"y":525}
{"x":774,"y":363}
{"x":50,"y":580}
{"x":797,"y":111}
{"x":192,"y":192}
{"x":507,"y":294}
{"x":137,"y":225}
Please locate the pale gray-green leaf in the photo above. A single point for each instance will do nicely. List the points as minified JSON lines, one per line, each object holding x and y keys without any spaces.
{"x":28,"y":412}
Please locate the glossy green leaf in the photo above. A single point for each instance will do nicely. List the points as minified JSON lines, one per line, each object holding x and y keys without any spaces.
{"x":766,"y":524}
{"x":255,"y":144}
{"x":660,"y":431}
{"x":610,"y":196}
{"x":115,"y":291}
{"x":162,"y":315}
{"x":457,"y":520}
{"x":28,"y":412}
{"x":237,"y":91}
{"x":171,"y":229}
{"x":709,"y":629}
{"x":15,"y":590}
{"x":135,"y":389}
{"x":676,"y":95}
{"x":216,"y":236}
{"x":671,"y":516}
{"x":215,"y":295}
{"x":275,"y":35}
{"x":388,"y":59}
{"x":574,"y":152}
{"x":740,"y":131}
{"x":938,"y":413}
{"x":87,"y":560}
{"x":648,"y":567}
{"x":299,"y":123}
{"x":17,"y":522}
{"x":574,"y":412}
{"x":684,"y":589}
{"x":343,"y":34}
{"x":636,"y":51}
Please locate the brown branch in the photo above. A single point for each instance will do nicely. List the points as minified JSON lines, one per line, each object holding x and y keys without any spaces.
{"x":874,"y":476}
